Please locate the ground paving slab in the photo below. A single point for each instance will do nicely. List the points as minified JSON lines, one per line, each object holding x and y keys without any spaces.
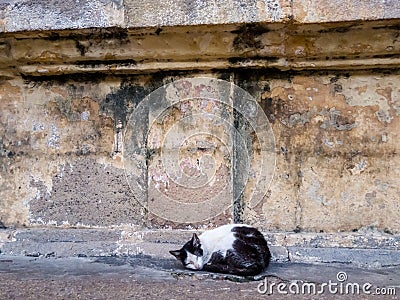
{"x":150,"y":277}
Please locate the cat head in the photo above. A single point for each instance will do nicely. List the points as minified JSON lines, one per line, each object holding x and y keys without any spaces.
{"x":191,"y":254}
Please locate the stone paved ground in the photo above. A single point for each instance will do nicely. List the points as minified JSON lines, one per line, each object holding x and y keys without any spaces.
{"x":145,"y":277}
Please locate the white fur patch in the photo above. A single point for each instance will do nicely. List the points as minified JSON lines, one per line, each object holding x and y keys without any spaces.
{"x":193,"y":262}
{"x":219,"y":239}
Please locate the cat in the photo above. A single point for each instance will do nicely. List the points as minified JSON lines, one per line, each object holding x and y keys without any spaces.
{"x":237,"y":249}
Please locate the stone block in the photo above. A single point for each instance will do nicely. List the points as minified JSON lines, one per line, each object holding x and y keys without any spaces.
{"x":316,"y":11}
{"x":365,"y":258}
{"x":178,"y":12}
{"x":88,"y":194}
{"x":56,"y":15}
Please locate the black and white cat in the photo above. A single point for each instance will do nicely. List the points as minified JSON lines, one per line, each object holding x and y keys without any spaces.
{"x":234,"y":249}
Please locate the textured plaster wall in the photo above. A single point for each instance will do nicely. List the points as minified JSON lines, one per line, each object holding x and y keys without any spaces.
{"x":325,"y":73}
{"x":338,"y":163}
{"x":336,"y":143}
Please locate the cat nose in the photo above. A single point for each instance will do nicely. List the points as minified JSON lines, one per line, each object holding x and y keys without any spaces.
{"x":194,"y":264}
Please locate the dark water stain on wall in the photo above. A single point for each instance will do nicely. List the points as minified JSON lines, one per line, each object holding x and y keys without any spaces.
{"x":122,"y":101}
{"x":248,"y":36}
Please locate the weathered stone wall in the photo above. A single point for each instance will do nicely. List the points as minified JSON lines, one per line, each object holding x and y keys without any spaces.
{"x":330,"y":91}
{"x":335,"y":136}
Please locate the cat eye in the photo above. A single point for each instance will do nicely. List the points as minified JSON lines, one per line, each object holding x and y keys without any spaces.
{"x":198,"y":252}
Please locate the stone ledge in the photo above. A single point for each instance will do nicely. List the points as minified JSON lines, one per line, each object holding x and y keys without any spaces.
{"x":361,"y":240}
{"x":338,"y":46}
{"x":363,"y":258}
{"x":152,"y":67}
{"x":60,"y":235}
{"x":373,"y":250}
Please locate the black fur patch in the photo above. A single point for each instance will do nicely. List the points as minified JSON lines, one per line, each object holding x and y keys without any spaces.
{"x":180,"y":255}
{"x":247,"y":231}
{"x":193,"y":246}
{"x":251,"y":244}
{"x":217,"y":258}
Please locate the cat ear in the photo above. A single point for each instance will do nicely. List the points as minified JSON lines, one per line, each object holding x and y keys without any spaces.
{"x":195,"y":241}
{"x":176,"y":253}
